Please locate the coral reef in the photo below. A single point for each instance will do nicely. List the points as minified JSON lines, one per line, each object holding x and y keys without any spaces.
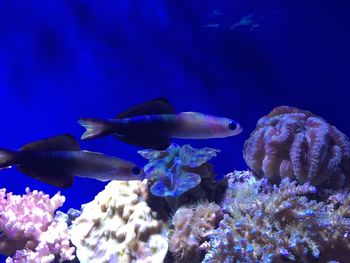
{"x":296,"y":144}
{"x":173,"y":171}
{"x":279,"y":224}
{"x":255,"y":221}
{"x":119,"y":226}
{"x":29,"y":230}
{"x":191,"y":226}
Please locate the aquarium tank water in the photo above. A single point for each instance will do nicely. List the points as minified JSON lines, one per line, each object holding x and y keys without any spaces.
{"x":69,"y":64}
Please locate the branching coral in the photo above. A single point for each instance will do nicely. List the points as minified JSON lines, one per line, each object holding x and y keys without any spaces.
{"x":119,"y":226}
{"x":296,"y":144}
{"x":29,"y":230}
{"x":278,"y":224}
{"x":191,"y":226}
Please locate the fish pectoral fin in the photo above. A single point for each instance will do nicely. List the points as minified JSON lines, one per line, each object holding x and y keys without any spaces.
{"x":63,"y":142}
{"x":156,"y":143}
{"x":155,"y":106}
{"x":59,"y":179}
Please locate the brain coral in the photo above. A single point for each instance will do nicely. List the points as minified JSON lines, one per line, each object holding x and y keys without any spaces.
{"x":293,"y":143}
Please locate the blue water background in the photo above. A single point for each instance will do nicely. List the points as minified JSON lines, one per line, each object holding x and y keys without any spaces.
{"x":61,"y":60}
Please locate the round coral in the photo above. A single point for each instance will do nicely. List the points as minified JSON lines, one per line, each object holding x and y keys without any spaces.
{"x":293,"y":143}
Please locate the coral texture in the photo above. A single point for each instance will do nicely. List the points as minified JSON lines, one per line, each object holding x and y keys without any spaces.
{"x":191,"y":226}
{"x":29,"y":230}
{"x":296,"y":144}
{"x":119,"y":226}
{"x":279,"y":224}
{"x":173,"y":171}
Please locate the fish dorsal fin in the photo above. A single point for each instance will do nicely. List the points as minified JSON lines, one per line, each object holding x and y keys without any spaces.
{"x":155,"y":106}
{"x":63,"y":142}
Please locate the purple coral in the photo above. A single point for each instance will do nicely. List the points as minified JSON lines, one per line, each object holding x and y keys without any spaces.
{"x":296,"y":144}
{"x":29,"y":229}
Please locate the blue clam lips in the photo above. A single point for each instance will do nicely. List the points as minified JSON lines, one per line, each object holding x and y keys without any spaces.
{"x":169,"y":168}
{"x":175,"y":183}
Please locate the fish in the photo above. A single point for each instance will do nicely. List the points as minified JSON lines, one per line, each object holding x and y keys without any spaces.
{"x":57,"y":160}
{"x":153,"y":123}
{"x":246,"y":21}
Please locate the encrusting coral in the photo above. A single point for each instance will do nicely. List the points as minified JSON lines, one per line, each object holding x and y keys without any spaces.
{"x":191,"y":226}
{"x":119,"y":226}
{"x":296,"y":144}
{"x":29,"y":232}
{"x":279,"y":224}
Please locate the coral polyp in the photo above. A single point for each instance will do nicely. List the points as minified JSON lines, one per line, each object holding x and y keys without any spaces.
{"x":191,"y":226}
{"x":279,"y":224}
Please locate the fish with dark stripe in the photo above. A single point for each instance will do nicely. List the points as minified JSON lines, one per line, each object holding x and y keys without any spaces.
{"x":152,"y":124}
{"x":57,"y":160}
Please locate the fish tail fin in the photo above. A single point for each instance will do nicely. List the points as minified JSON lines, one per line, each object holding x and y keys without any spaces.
{"x":95,"y":128}
{"x":7,"y":158}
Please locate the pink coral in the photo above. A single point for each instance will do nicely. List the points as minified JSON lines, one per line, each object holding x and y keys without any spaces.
{"x":296,"y":144}
{"x":29,"y":230}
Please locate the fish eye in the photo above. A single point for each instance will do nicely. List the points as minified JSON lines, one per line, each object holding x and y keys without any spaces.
{"x":136,"y":170}
{"x":232,"y":125}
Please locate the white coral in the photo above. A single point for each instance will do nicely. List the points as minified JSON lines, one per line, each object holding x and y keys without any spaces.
{"x":119,"y":226}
